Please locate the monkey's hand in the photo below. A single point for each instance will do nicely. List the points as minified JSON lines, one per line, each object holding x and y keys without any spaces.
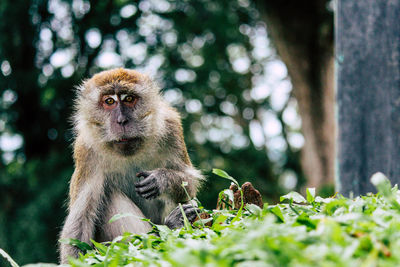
{"x":151,"y":186}
{"x":175,"y":218}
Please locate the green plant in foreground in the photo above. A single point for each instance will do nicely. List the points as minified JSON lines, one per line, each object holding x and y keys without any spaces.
{"x":299,"y":231}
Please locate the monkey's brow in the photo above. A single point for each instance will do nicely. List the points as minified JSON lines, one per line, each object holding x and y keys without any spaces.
{"x":117,"y":91}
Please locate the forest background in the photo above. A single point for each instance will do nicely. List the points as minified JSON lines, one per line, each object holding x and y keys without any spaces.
{"x":240,"y":73}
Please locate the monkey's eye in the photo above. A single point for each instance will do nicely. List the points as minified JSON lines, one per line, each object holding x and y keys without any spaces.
{"x":109,"y":101}
{"x":129,"y":98}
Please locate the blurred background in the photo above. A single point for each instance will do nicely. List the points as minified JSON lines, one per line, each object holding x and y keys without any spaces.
{"x":252,"y":80}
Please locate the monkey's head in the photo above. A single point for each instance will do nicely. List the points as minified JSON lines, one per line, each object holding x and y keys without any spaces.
{"x":118,"y":109}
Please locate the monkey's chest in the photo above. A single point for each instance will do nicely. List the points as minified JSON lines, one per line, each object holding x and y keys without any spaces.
{"x":153,"y":209}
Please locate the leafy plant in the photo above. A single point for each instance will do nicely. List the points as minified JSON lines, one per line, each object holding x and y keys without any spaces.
{"x":311,"y":231}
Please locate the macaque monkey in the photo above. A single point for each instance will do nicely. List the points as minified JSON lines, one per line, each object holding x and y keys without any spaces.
{"x":130,"y":157}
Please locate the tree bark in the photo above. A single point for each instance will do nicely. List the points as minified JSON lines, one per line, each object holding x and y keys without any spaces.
{"x":302,"y":32}
{"x":368,"y":80}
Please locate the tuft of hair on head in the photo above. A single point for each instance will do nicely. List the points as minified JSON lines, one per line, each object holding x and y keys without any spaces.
{"x":123,"y":77}
{"x":119,"y":75}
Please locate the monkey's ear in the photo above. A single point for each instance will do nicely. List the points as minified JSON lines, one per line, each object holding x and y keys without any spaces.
{"x":80,"y":88}
{"x":87,"y":90}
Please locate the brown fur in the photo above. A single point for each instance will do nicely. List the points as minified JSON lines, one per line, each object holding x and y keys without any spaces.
{"x":81,"y":154}
{"x":176,"y":131}
{"x":116,"y":76}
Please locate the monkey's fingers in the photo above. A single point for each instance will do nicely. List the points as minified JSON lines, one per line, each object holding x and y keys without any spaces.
{"x":149,"y":191}
{"x":146,"y":181}
{"x":188,"y":206}
{"x":144,"y":186}
{"x":143,"y":174}
{"x":191,"y":214}
{"x":150,"y":195}
{"x":175,"y":218}
{"x":190,"y":211}
{"x":146,"y":189}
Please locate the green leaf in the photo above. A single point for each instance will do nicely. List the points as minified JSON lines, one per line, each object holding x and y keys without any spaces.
{"x":278,"y":213}
{"x":293,"y":196}
{"x":240,"y":211}
{"x":310,"y":195}
{"x":226,"y":193}
{"x":42,"y":265}
{"x":229,"y":194}
{"x":382,"y":183}
{"x":225,"y":175}
{"x":100,"y":247}
{"x":202,"y":222}
{"x":319,"y":199}
{"x":163,"y":231}
{"x":75,"y":242}
{"x":304,"y":219}
{"x":219,"y":221}
{"x":186,"y":222}
{"x":254,"y":209}
{"x":332,"y":206}
{"x":238,"y":215}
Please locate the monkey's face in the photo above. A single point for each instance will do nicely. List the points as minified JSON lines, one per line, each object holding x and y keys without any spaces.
{"x":119,"y":108}
{"x":123,"y":127}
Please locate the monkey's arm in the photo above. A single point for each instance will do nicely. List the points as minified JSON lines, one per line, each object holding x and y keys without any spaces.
{"x":86,"y":194}
{"x":178,"y":168}
{"x":168,"y":182}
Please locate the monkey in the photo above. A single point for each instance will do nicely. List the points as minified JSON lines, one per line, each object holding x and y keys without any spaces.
{"x":130,"y":157}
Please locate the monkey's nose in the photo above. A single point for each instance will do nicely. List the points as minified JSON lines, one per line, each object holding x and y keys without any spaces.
{"x":122,"y":120}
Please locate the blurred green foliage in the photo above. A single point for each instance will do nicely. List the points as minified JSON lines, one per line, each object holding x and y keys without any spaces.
{"x":202,"y":53}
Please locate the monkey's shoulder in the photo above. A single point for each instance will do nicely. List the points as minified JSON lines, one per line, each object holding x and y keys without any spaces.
{"x":172,"y":122}
{"x":172,"y":143}
{"x":82,"y":152}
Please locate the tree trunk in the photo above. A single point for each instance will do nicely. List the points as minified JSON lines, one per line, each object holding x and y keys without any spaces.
{"x":368,"y":60}
{"x":302,"y":32}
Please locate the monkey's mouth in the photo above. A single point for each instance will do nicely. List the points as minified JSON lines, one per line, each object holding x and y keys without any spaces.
{"x":123,"y":141}
{"x":127,"y":146}
{"x":126,"y":140}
